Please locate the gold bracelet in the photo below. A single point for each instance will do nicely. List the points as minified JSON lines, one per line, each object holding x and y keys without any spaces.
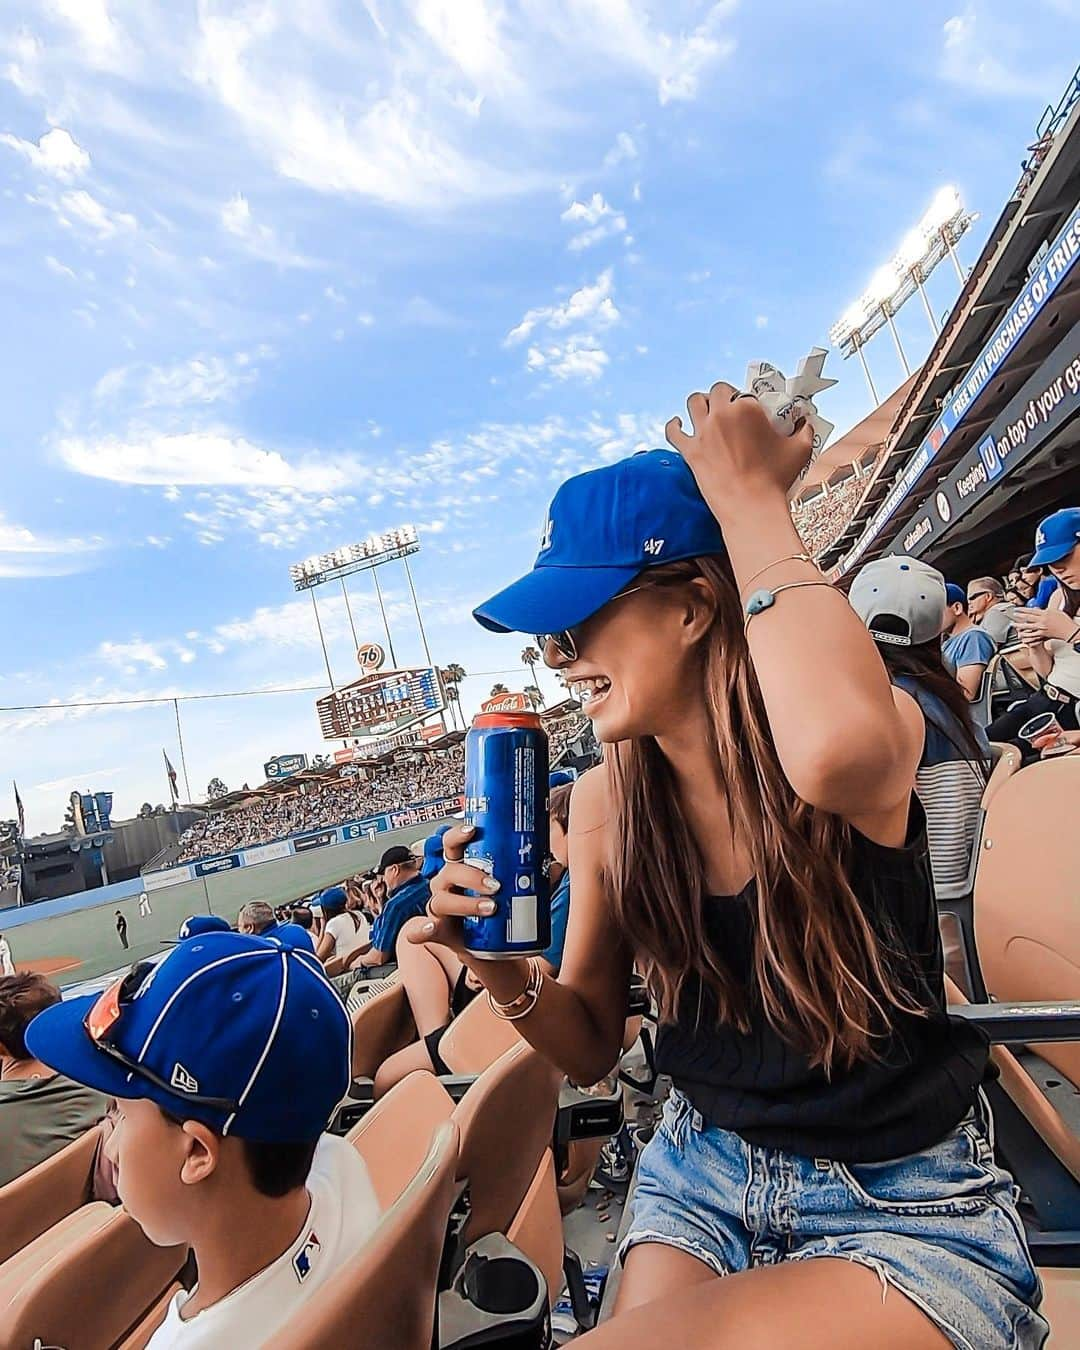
{"x":526,"y":1001}
{"x":791,"y":557}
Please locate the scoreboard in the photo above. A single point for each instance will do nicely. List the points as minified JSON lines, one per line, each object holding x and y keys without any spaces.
{"x":380,"y":703}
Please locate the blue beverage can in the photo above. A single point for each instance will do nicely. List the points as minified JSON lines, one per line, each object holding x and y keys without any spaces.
{"x":506,"y":799}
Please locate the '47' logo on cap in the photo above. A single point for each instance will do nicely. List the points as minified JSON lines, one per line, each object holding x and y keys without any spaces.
{"x":654,"y":547}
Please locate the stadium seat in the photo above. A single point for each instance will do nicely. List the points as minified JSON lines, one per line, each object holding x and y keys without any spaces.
{"x":956,"y":901}
{"x":386,"y":1294}
{"x":381,"y":1026}
{"x":47,"y":1194}
{"x":1026,"y":915}
{"x":93,"y":1288}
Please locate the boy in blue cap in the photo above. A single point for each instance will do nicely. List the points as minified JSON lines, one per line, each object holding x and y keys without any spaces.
{"x":966,"y":648}
{"x":227,"y":1060}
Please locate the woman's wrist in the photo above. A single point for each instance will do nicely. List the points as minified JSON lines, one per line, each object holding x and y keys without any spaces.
{"x":504,"y":980}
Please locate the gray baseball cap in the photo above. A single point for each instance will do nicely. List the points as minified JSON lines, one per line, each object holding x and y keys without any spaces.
{"x":901,"y":600}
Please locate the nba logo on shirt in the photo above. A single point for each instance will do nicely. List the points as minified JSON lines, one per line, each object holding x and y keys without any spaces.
{"x":989,"y":456}
{"x":306,"y":1256}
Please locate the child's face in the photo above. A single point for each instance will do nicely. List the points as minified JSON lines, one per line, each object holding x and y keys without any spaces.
{"x":150,"y":1153}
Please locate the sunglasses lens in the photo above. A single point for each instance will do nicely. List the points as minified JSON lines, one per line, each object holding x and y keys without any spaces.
{"x":105,"y":1013}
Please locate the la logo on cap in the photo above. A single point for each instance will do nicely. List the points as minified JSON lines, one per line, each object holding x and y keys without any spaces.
{"x":1040,"y":536}
{"x":545,"y":538}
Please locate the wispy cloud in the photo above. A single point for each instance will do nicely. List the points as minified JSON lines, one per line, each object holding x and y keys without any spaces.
{"x":80,"y":210}
{"x":998,"y":58}
{"x":599,"y":219}
{"x":207,"y":378}
{"x":258,"y":238}
{"x":590,"y":304}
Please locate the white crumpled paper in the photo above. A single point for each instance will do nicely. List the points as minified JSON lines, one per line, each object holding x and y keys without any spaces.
{"x":786,"y":400}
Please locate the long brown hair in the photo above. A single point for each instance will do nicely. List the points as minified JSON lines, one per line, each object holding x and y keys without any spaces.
{"x":820,"y":970}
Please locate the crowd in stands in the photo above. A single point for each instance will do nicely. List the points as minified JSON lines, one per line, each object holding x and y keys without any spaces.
{"x":821,"y":520}
{"x":424,"y":777}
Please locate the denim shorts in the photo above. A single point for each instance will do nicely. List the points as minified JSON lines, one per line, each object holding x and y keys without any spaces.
{"x":941,"y":1225}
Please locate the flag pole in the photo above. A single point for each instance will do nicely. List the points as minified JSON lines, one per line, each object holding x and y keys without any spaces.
{"x":180,"y":739}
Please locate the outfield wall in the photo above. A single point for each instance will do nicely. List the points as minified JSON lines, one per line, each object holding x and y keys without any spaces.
{"x":80,"y":929}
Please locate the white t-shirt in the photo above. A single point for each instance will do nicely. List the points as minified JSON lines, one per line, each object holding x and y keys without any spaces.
{"x":7,"y":966}
{"x":343,"y":1215}
{"x":347,"y":933}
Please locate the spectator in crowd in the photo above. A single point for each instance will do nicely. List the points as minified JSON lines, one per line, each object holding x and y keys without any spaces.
{"x":754,"y":841}
{"x":1051,"y":636}
{"x":345,"y":931}
{"x":41,"y":1110}
{"x":987,"y":606}
{"x":121,"y":928}
{"x":195,"y":925}
{"x":407,"y":894}
{"x":7,"y":965}
{"x":902,"y":601}
{"x":439,"y":985}
{"x":221,"y":1145}
{"x":301,"y":916}
{"x":966,"y":649}
{"x":821,"y":521}
{"x":255,"y":918}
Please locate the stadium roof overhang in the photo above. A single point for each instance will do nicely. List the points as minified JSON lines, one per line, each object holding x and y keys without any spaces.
{"x":997,"y":280}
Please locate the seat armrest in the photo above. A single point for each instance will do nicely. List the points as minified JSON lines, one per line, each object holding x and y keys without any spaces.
{"x":1021,"y":1023}
{"x":583,"y":1116}
{"x":457,"y":1084}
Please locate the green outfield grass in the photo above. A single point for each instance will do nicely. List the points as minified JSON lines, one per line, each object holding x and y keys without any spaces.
{"x":88,"y":936}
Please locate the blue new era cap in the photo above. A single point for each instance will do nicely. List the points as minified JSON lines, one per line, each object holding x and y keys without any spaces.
{"x":247,"y":1036}
{"x":603,"y":528}
{"x":289,"y":935}
{"x":197,"y":924}
{"x":1056,"y":537}
{"x":955,"y":595}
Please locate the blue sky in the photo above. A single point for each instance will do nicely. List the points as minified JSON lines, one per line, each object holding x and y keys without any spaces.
{"x":277,"y":276}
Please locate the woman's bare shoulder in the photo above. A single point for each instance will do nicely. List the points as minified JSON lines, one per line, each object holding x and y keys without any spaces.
{"x":591,"y":802}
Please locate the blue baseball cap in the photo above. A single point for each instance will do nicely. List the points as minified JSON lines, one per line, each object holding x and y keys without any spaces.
{"x":433,"y":854}
{"x":603,"y":528}
{"x":332,"y":900}
{"x":560,"y":777}
{"x":289,"y":935}
{"x":955,"y":595}
{"x":1056,"y":537}
{"x":247,"y":1036}
{"x":197,"y":924}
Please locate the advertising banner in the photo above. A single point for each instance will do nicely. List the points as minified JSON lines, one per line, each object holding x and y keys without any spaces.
{"x":361,"y":829}
{"x":267,"y":852}
{"x":209,"y":867}
{"x":500,"y":703}
{"x":306,"y":842}
{"x":1054,"y":267}
{"x":1048,"y":399}
{"x":154,"y":881}
{"x":284,"y":766}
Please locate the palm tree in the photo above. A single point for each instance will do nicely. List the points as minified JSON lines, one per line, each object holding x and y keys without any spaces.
{"x":452,"y":676}
{"x":534,"y":696}
{"x":498,"y":689}
{"x":529,"y":657}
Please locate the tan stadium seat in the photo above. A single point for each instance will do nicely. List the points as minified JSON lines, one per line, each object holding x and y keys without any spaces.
{"x":49,"y":1192}
{"x":1027,"y":897}
{"x":381,"y":1026}
{"x":94,"y":1290}
{"x":386,"y":1294}
{"x":476,"y":1038}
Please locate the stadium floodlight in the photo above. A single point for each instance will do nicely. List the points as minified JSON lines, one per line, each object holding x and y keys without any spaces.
{"x":344,"y":561}
{"x":926,"y":244}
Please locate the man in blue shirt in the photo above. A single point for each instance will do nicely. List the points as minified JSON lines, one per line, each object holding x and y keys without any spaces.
{"x":966,"y":648}
{"x":407,"y":894}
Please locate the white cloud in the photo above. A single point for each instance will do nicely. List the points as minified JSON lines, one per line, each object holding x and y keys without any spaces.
{"x":134,"y":653}
{"x":57,"y":153}
{"x":80,"y":208}
{"x":600,"y":218}
{"x":987,"y":56}
{"x":19,"y":539}
{"x":196,"y":457}
{"x":364,"y":319}
{"x":98,"y":35}
{"x":58,"y":268}
{"x":383,"y":139}
{"x":334,"y":295}
{"x":590,"y":304}
{"x":761,"y":321}
{"x":201,"y":379}
{"x":259,"y":239}
{"x":578,"y":358}
{"x":624,"y":148}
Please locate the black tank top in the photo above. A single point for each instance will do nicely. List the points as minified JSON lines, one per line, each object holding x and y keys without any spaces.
{"x":928,"y":1068}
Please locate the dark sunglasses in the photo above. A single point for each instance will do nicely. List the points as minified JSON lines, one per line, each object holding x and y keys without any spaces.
{"x":564,"y":642}
{"x":104,"y":1014}
{"x":977,"y":595}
